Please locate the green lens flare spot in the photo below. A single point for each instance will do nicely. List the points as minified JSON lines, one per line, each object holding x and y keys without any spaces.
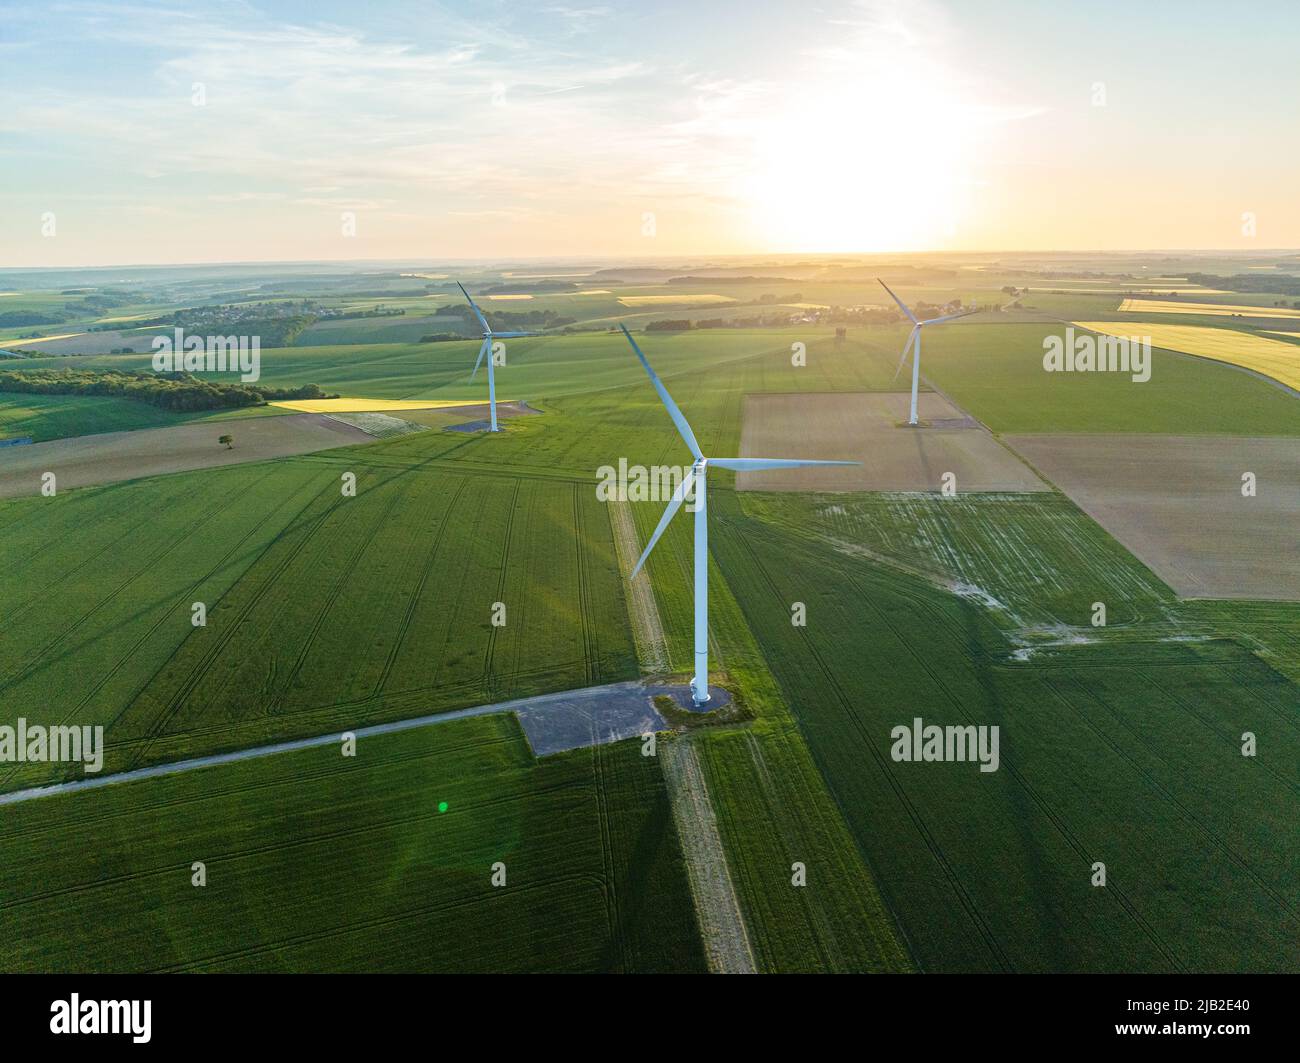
{"x":442,"y":806}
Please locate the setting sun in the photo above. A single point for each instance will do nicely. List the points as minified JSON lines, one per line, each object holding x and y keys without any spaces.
{"x":878,"y":159}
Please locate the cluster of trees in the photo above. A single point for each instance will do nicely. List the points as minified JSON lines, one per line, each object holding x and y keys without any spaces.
{"x":14,"y":318}
{"x":100,"y":302}
{"x":170,"y":391}
{"x":374,"y":311}
{"x":838,"y":315}
{"x":507,"y":321}
{"x":1269,"y":283}
{"x":92,"y":304}
{"x":757,"y":321}
{"x":867,"y":315}
{"x":528,"y":286}
{"x":747,"y":279}
{"x":272,"y":331}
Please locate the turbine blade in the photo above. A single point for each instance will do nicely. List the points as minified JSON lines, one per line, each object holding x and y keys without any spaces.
{"x":474,"y":306}
{"x":911,"y":337}
{"x":900,"y":303}
{"x":679,"y":419}
{"x":510,"y":335}
{"x":948,"y":317}
{"x":674,"y":504}
{"x":479,"y":360}
{"x":755,"y":464}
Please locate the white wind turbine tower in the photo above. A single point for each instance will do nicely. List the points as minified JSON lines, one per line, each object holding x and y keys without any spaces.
{"x":915,"y":337}
{"x":697,"y":478}
{"x":488,"y":336}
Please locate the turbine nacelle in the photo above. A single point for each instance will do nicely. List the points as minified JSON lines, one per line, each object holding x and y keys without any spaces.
{"x":487,"y":336}
{"x":913,"y":343}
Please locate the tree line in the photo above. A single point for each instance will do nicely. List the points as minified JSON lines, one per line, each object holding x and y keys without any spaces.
{"x":182,"y":392}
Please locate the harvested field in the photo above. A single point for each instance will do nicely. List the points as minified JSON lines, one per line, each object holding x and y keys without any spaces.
{"x":1176,"y":502}
{"x":379,"y":425}
{"x":114,"y":456}
{"x":445,"y":416}
{"x":140,"y":341}
{"x":871,"y":429}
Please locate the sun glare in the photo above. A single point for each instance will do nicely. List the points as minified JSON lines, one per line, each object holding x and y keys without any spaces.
{"x":877,"y":160}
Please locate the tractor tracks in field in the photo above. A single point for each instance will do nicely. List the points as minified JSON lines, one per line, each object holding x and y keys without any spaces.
{"x":308,"y":529}
{"x":418,"y":592}
{"x":590,"y":642}
{"x":346,"y":572}
{"x":490,"y":687}
{"x":42,"y":596}
{"x":38,"y":658}
{"x":355,"y":926}
{"x":607,"y":849}
{"x":180,"y":695}
{"x":1214,"y":837}
{"x":967,"y":902}
{"x":1041,"y":803}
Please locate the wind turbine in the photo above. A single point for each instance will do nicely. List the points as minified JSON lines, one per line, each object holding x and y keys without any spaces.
{"x":697,"y":478}
{"x":915,"y":337}
{"x":488,"y":336}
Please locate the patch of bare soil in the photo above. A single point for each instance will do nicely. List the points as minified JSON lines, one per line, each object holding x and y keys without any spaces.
{"x":871,"y":429}
{"x":113,"y":456}
{"x":1176,"y":502}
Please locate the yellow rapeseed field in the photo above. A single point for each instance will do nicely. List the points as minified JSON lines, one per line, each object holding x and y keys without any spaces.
{"x":1273,"y":358}
{"x":681,"y":300}
{"x":1173,"y":306}
{"x":44,"y":339}
{"x":346,"y":405}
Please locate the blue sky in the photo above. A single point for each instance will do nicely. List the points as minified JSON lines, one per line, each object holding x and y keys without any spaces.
{"x":495,"y":130}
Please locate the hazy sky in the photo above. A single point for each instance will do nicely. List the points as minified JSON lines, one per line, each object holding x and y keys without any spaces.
{"x":244,"y":131}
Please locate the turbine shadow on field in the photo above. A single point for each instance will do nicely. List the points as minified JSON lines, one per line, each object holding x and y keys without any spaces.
{"x":1016,"y":795}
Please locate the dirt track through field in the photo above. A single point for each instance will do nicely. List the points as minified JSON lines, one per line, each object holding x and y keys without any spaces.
{"x":722,"y":925}
{"x":647,"y":628}
{"x":109,"y":457}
